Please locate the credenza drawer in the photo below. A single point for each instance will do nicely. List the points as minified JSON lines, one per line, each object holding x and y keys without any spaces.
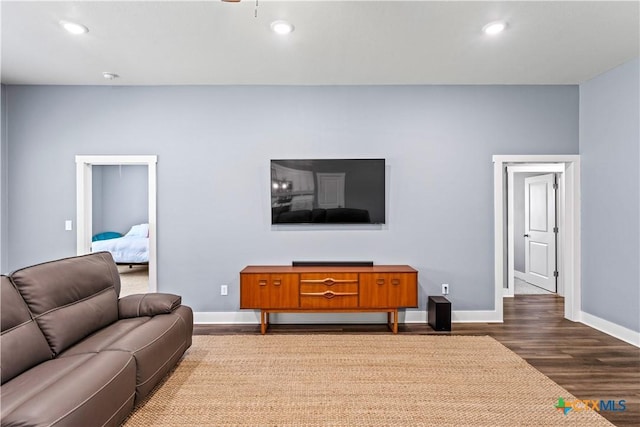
{"x":330,"y":299}
{"x":339,"y":288}
{"x":328,"y":279}
{"x":329,"y":290}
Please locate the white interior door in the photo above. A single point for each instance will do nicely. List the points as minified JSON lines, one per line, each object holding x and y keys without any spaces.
{"x":330,"y":190}
{"x":540,"y":231}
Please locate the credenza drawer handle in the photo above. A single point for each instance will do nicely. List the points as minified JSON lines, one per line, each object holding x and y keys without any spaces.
{"x":328,"y":294}
{"x":262,"y":283}
{"x":277,"y":282}
{"x":380,"y":281}
{"x":329,"y":281}
{"x":395,"y":282}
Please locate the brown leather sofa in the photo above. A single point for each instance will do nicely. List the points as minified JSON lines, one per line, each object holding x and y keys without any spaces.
{"x":73,"y":353}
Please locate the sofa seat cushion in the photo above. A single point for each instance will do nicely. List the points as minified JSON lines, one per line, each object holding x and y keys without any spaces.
{"x":22,"y":344}
{"x":157,"y":345}
{"x":82,"y":390}
{"x":71,"y":298}
{"x":102,"y":339}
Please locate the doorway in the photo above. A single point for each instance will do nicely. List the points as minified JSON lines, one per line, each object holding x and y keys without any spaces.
{"x":532,"y":229}
{"x":120,"y":208}
{"x":84,"y":203}
{"x":567,"y":168}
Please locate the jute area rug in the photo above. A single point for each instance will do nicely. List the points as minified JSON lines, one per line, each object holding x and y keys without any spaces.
{"x":355,"y":380}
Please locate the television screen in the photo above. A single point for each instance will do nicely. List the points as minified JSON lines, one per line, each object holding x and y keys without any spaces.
{"x":321,"y":191}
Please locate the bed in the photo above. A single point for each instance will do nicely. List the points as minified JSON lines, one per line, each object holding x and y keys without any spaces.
{"x":132,"y":248}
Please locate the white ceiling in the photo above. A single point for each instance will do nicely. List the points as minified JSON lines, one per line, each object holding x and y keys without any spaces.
{"x":334,"y":42}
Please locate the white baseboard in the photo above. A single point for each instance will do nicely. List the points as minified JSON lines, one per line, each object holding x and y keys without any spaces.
{"x":408,"y":316}
{"x":609,"y":328}
{"x":476,"y":316}
{"x":471,"y":316}
{"x":226,"y":317}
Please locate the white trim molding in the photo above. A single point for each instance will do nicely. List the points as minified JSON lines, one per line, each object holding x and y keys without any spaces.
{"x":252,"y":317}
{"x":84,"y":189}
{"x":226,"y":317}
{"x":610,"y":328}
{"x":519,"y":275}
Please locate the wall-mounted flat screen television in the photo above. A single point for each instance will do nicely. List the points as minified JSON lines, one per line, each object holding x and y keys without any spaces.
{"x":328,"y":191}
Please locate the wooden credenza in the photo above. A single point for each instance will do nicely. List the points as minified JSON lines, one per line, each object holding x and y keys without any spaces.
{"x":289,"y":289}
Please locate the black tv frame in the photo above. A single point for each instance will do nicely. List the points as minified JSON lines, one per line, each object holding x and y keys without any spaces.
{"x":362,"y":206}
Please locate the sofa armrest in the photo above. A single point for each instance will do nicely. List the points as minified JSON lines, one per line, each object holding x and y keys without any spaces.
{"x":147,"y":304}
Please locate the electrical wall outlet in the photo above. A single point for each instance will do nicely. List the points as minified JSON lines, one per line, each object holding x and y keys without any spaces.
{"x":224,"y":290}
{"x":445,"y":289}
{"x":68,"y":225}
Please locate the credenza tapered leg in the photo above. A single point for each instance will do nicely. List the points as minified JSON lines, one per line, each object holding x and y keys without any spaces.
{"x":392,"y":320}
{"x":264,"y":321}
{"x":395,"y":321}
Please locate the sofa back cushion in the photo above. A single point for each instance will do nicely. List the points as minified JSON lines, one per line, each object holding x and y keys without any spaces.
{"x":72,"y":297}
{"x":22,"y":344}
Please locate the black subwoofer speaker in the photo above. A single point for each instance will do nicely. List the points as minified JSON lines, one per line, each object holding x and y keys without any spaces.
{"x":439,"y":313}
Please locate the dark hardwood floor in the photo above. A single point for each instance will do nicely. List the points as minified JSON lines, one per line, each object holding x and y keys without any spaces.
{"x":587,"y":363}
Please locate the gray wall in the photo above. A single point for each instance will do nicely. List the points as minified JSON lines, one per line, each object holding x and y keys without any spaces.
{"x":214,"y":145}
{"x":4,"y":205}
{"x":610,"y":153}
{"x":120,"y":197}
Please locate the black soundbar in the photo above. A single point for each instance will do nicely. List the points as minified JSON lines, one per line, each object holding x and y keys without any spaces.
{"x":332,"y":263}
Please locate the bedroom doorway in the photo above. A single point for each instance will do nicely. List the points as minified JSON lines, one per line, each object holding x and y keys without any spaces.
{"x":119,"y":222}
{"x":85,"y":205}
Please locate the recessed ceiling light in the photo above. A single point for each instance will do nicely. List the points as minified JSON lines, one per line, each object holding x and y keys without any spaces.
{"x":110,"y":76}
{"x":281,"y":27}
{"x":495,"y":27}
{"x":74,"y":28}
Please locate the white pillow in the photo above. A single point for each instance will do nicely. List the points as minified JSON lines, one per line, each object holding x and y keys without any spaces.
{"x":140,"y":230}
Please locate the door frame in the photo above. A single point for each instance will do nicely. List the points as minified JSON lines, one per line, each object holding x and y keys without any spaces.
{"x":84,"y":202}
{"x":568,"y":205}
{"x":523,"y":168}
